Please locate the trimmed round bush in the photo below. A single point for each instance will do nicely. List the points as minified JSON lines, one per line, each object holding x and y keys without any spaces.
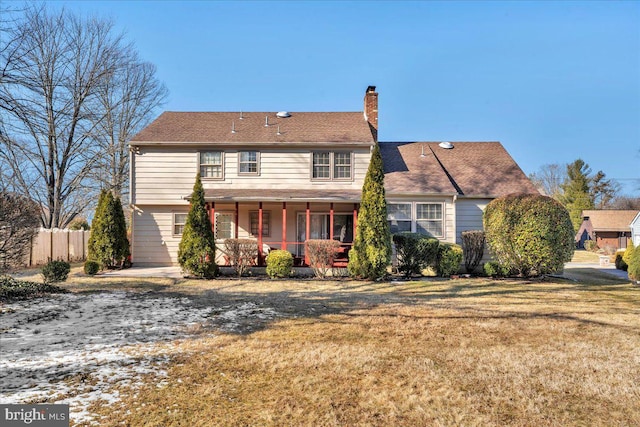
{"x":279,"y":263}
{"x":91,"y":268}
{"x":620,"y":264}
{"x":530,"y":234}
{"x":449,"y":259}
{"x":628,"y":253}
{"x":414,"y":252}
{"x":56,"y":271}
{"x":494,"y":269}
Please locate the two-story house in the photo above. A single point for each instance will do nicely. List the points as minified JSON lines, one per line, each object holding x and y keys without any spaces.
{"x":283,"y":178}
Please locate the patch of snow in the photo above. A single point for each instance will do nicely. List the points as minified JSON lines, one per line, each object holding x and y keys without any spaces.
{"x":72,"y":348}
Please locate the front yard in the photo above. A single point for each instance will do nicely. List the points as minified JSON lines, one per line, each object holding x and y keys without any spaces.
{"x":305,"y":352}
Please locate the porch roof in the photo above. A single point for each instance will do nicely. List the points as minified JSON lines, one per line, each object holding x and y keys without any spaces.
{"x":280,"y":195}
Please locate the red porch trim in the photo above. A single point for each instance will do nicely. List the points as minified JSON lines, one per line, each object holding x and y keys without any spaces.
{"x":331,"y":221}
{"x":284,"y":226}
{"x":307,"y":232}
{"x":260,"y":255}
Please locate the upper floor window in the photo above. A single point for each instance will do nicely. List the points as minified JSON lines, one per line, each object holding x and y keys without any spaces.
{"x":211,"y":164}
{"x":329,"y":165}
{"x":249,"y":162}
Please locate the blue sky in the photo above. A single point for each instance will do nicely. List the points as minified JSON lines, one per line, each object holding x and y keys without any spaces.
{"x":553,"y":81}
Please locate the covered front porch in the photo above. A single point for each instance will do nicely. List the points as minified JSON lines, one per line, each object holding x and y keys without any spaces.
{"x":283,"y":219}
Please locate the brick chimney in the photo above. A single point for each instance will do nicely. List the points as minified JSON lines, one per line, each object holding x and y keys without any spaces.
{"x":371,"y":109}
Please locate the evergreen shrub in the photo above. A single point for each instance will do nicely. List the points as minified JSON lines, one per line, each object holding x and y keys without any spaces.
{"x":628,"y":253}
{"x":197,"y":249}
{"x":495,"y":269}
{"x":449,"y":259}
{"x":634,"y":266}
{"x":371,"y":251}
{"x":56,"y":271}
{"x":530,"y":234}
{"x":279,"y":263}
{"x":91,"y":267}
{"x":591,"y":246}
{"x":108,"y":242}
{"x":414,"y":252}
{"x":619,"y":262}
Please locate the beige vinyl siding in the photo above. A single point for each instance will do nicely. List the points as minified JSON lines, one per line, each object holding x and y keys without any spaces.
{"x":165,"y":176}
{"x":469,"y":217}
{"x":153,"y":241}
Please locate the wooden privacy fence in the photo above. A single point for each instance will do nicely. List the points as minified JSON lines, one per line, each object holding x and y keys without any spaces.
{"x":57,"y":244}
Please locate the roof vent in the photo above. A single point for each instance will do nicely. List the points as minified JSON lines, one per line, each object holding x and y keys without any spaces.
{"x":283,"y":114}
{"x":233,"y":126}
{"x":445,"y":144}
{"x":266,"y":121}
{"x":278,"y":133}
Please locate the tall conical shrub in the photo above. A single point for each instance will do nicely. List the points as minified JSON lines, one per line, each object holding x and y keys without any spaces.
{"x":371,"y":252}
{"x":196,"y":253}
{"x":108,"y":243}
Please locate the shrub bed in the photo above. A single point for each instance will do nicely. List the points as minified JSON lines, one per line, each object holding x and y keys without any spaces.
{"x":13,"y":289}
{"x":414,"y":252}
{"x":242,"y":254}
{"x":449,"y":259}
{"x":321,"y":254}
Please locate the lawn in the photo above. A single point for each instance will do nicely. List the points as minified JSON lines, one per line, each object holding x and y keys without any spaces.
{"x":433,"y":352}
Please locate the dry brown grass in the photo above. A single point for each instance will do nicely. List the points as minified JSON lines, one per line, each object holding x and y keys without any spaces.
{"x":585,"y":256}
{"x":433,"y":353}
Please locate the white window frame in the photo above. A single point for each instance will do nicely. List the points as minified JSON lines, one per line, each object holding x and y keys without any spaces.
{"x":175,"y":223}
{"x":221,"y":165}
{"x":249,"y":162}
{"x":332,"y":166}
{"x":431,"y":220}
{"x":232,"y":234}
{"x":414,"y":216}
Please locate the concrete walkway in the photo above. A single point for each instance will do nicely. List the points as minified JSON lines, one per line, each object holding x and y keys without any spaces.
{"x":173,"y":272}
{"x":608,"y":269}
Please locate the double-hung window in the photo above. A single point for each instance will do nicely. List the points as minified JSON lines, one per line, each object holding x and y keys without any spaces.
{"x":179,"y":220}
{"x":249,"y":163}
{"x":417,"y":217}
{"x":399,"y":217}
{"x":211,"y":164}
{"x":266,"y":222}
{"x":329,"y":165}
{"x":429,"y":219}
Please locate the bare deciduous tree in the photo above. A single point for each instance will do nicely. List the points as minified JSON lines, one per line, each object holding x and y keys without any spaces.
{"x":549,"y":179}
{"x":70,"y":99}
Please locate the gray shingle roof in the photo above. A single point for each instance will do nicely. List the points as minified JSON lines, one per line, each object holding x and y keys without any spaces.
{"x":469,"y":169}
{"x":205,"y":127}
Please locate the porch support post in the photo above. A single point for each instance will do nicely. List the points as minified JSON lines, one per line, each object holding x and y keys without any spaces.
{"x":284,"y":226}
{"x":307,"y":232}
{"x":355,"y":220}
{"x":235,"y":219}
{"x":212,"y":216}
{"x":331,"y":221}
{"x":260,"y":233}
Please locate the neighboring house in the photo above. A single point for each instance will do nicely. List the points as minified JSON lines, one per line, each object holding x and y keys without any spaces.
{"x":283,"y":178}
{"x":608,"y":228}
{"x":635,"y":230}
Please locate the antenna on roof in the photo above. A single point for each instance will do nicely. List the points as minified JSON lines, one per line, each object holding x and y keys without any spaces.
{"x":233,"y":126}
{"x":241,"y":117}
{"x":266,"y":121}
{"x":422,"y":154}
{"x":278,"y":133}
